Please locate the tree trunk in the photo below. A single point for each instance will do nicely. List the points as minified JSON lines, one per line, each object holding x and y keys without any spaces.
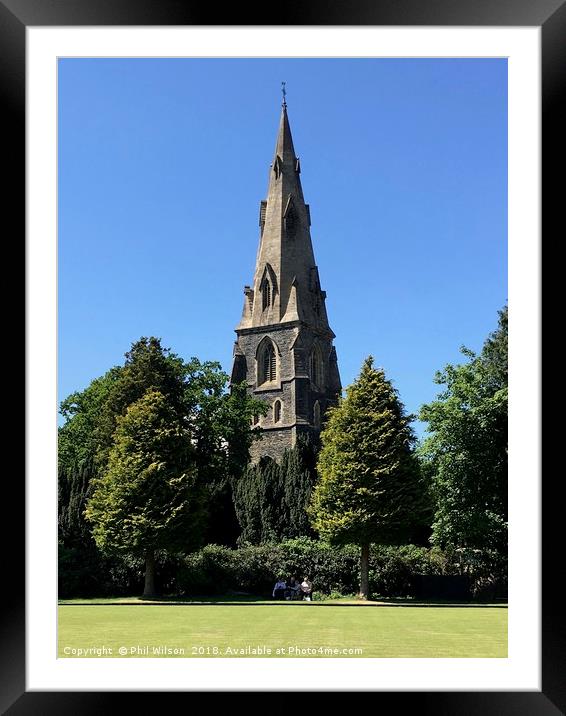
{"x":149,"y":587}
{"x":364,"y":572}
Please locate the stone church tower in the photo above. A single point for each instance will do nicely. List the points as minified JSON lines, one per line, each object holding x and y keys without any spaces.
{"x":284,"y":342}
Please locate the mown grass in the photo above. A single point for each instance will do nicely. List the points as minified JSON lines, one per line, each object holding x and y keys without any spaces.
{"x":236,"y":626}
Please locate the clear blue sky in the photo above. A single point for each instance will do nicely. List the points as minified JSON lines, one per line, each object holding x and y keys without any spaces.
{"x":163,"y":163}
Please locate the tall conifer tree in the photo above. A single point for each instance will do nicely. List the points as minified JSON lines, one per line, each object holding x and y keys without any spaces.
{"x":369,"y":488}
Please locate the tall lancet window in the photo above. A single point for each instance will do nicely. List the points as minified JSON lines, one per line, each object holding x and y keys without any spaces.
{"x":277,"y":411}
{"x":267,"y":363}
{"x":316,"y":369}
{"x":267,"y":287}
{"x":266,"y":294}
{"x":316,"y":415}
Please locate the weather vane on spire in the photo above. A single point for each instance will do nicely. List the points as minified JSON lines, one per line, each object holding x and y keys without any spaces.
{"x":284,"y":93}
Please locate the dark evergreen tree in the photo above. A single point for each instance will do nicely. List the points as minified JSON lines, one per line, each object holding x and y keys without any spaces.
{"x":223,"y":445}
{"x":74,"y":490}
{"x":271,"y":498}
{"x":298,"y":476}
{"x":258,"y":501}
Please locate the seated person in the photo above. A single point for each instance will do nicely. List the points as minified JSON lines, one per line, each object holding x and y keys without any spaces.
{"x":279,"y":589}
{"x":293,"y":588}
{"x":306,"y":589}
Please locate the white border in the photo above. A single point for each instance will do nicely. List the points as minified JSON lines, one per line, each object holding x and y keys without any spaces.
{"x":521,"y":671}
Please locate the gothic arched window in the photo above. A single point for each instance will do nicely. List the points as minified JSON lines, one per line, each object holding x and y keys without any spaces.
{"x":277,"y":411}
{"x":267,"y":287}
{"x":267,"y":363}
{"x":266,"y":294}
{"x":316,"y":368}
{"x":316,"y":415}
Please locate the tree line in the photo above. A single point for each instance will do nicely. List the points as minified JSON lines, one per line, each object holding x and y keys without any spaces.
{"x":154,"y":462}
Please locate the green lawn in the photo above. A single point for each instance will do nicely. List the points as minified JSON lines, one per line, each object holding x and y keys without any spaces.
{"x":236,"y":628}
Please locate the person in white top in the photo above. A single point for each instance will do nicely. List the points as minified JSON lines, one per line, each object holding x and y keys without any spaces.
{"x":306,"y":589}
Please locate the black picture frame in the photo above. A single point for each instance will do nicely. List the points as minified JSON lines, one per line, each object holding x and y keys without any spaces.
{"x":15,"y":16}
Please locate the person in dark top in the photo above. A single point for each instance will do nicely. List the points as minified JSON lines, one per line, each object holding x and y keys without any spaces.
{"x":279,"y":589}
{"x":293,"y":588}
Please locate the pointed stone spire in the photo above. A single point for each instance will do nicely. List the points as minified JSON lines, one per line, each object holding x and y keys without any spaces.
{"x":284,"y":147}
{"x":286,"y":277}
{"x":284,"y":348}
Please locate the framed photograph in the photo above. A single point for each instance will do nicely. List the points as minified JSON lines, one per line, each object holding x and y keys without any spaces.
{"x":63,"y":64}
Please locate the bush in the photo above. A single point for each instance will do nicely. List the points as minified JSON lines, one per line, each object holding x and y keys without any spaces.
{"x":394,"y":571}
{"x":320,"y":597}
{"x":216,"y":570}
{"x":84,"y":572}
{"x":486,"y":570}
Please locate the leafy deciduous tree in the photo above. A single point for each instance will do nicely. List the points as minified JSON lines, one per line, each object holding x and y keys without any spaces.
{"x":217,"y":423}
{"x":80,"y":439}
{"x":148,"y":497}
{"x":467,"y":448}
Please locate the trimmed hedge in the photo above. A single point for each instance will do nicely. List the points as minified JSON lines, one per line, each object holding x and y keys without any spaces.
{"x":394,"y":571}
{"x":253,"y":569}
{"x":84,"y":572}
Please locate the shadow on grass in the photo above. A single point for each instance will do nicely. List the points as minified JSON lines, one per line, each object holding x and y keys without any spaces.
{"x":251,"y":600}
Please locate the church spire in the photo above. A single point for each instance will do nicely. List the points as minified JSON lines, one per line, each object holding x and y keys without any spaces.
{"x":286,"y":285}
{"x":284,"y":348}
{"x":284,"y":148}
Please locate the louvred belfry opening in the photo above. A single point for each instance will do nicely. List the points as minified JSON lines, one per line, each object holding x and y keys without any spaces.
{"x":266,"y":294}
{"x":267,"y":364}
